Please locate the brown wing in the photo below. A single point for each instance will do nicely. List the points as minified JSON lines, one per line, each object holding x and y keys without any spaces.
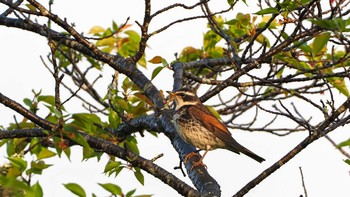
{"x":210,"y":122}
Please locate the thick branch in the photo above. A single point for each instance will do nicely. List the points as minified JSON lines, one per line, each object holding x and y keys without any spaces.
{"x":115,"y":61}
{"x":105,"y":146}
{"x":163,"y":124}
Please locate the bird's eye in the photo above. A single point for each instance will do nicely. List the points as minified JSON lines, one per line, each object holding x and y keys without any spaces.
{"x":187,"y":97}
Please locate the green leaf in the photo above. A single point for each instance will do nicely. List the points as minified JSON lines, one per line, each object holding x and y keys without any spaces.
{"x":139,"y":176}
{"x":156,"y":71}
{"x":67,"y":152}
{"x":131,"y":144}
{"x":86,"y":117}
{"x":267,"y":11}
{"x":89,"y":153}
{"x":47,"y":99}
{"x":74,"y":135}
{"x":121,"y":103}
{"x":327,"y":24}
{"x":35,"y":146}
{"x":37,"y":167}
{"x":111,"y":165}
{"x":45,"y":153}
{"x":140,"y":109}
{"x":337,"y":24}
{"x":57,"y":113}
{"x":114,"y":26}
{"x":142,"y":62}
{"x":75,"y":189}
{"x":320,"y":42}
{"x":27,"y":102}
{"x":130,"y":193}
{"x":347,"y":161}
{"x":86,"y":121}
{"x":37,"y":190}
{"x":109,"y":42}
{"x":344,"y":143}
{"x":210,"y":39}
{"x":263,"y":40}
{"x":112,"y":188}
{"x":96,"y":29}
{"x":114,"y":119}
{"x":19,"y":163}
{"x":133,"y":36}
{"x":339,"y":83}
{"x":10,"y":147}
{"x":306,"y":48}
{"x":15,"y":184}
{"x":31,"y":7}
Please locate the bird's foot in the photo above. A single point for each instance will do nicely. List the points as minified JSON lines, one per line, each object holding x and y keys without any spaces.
{"x":195,"y":163}
{"x":191,"y":154}
{"x":198,"y":163}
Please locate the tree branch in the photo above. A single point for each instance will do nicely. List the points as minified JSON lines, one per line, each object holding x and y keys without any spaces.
{"x":163,"y":124}
{"x":97,"y":143}
{"x":321,"y":130}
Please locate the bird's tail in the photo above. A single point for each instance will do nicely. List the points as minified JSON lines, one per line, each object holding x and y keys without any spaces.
{"x":237,"y":148}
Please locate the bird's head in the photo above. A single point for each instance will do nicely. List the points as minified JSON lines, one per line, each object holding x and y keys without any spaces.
{"x":183,"y":97}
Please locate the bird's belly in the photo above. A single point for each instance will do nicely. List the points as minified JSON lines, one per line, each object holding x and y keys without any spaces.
{"x":192,"y":132}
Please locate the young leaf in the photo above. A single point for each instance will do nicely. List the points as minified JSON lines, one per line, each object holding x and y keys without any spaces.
{"x":47,"y":99}
{"x":19,"y":163}
{"x":344,"y":143}
{"x":75,"y":189}
{"x":320,"y":42}
{"x":111,"y":165}
{"x":37,"y":167}
{"x":156,"y":71}
{"x":339,"y":83}
{"x":133,"y":36}
{"x":267,"y":11}
{"x":45,"y":153}
{"x":156,"y":60}
{"x":130,"y":193}
{"x":74,"y":135}
{"x":27,"y":102}
{"x":347,"y":161}
{"x":96,"y":29}
{"x":131,"y":144}
{"x":112,"y":188}
{"x":139,"y":176}
{"x":37,"y":190}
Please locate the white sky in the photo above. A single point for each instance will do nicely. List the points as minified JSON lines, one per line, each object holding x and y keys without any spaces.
{"x":21,"y":71}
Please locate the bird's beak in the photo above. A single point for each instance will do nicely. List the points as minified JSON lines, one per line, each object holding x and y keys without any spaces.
{"x":171,"y":97}
{"x":170,"y":93}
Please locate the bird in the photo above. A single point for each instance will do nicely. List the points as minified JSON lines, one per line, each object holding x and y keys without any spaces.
{"x":197,"y":126}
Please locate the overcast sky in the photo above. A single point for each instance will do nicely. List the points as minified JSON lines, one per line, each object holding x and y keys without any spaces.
{"x":22,"y":70}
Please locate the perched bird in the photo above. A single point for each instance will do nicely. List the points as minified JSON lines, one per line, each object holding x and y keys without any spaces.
{"x":197,"y":126}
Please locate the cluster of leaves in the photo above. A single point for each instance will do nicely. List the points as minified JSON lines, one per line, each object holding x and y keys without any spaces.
{"x":312,"y":57}
{"x":17,"y":172}
{"x":118,"y":39}
{"x":113,"y":189}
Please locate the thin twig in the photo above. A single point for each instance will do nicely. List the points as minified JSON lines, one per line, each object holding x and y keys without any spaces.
{"x":303,"y":181}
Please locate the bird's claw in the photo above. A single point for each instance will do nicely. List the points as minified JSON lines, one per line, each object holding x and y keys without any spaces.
{"x":195,"y":163}
{"x":198,"y":163}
